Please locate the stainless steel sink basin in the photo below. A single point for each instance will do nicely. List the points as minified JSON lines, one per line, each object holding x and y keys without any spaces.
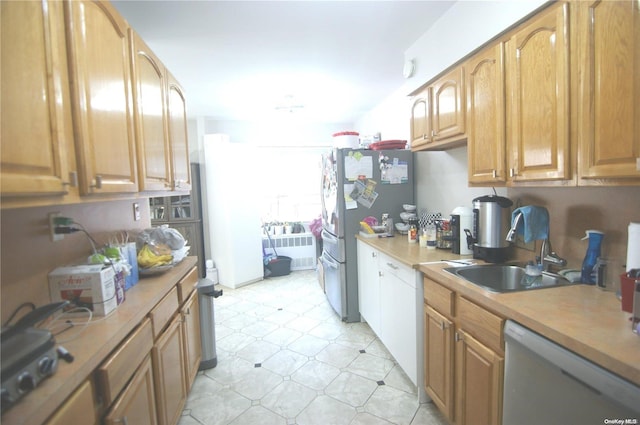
{"x":506,"y":278}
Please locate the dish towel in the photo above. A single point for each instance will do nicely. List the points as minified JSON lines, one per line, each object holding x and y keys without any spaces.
{"x":534,"y":224}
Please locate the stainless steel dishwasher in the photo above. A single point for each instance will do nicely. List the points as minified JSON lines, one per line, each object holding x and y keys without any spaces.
{"x":545,"y":383}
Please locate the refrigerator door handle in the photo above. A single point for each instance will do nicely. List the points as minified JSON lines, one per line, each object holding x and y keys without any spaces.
{"x":329,"y":237}
{"x":330,"y":261}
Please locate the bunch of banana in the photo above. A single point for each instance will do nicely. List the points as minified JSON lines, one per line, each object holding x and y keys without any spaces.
{"x":147,"y":258}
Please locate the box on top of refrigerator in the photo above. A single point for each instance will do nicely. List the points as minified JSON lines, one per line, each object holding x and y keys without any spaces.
{"x":92,"y":286}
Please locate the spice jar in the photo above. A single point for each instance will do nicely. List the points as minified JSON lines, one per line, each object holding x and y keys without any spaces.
{"x":412,"y":234}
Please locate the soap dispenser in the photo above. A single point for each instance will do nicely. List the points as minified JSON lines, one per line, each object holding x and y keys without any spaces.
{"x":591,"y":257}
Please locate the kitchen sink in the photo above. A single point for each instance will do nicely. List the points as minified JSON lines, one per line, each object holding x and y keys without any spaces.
{"x":506,"y":278}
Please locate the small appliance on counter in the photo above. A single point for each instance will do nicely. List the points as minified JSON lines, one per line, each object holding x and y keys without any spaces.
{"x":28,"y":354}
{"x":461,"y":219}
{"x":491,"y":223}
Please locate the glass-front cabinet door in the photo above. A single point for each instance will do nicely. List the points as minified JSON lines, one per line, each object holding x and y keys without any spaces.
{"x":157,"y":209}
{"x":180,"y":207}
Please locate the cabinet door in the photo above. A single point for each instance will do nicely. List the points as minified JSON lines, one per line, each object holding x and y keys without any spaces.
{"x":438,"y":360}
{"x":137,"y":403}
{"x":479,"y":373}
{"x":398,"y":318}
{"x":177,"y":114}
{"x":79,"y":409}
{"x":149,"y":79}
{"x":448,"y":106}
{"x":36,"y":124}
{"x":169,"y":373}
{"x":609,"y":95}
{"x":485,"y":116}
{"x":101,"y":91}
{"x":421,"y":129}
{"x":369,"y":286}
{"x":538,"y":68}
{"x":191,"y":329}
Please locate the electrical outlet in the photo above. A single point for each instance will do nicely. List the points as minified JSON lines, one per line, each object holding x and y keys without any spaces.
{"x":136,"y":211}
{"x":54,"y":237}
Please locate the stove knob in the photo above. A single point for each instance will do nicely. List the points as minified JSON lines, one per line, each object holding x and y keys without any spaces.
{"x":45,"y":366}
{"x":6,"y":399}
{"x":25,"y":382}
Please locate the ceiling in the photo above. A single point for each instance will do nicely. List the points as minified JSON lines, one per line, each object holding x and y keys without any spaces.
{"x":320,"y":61}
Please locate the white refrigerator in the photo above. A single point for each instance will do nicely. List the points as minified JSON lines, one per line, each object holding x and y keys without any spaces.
{"x":232,"y":226}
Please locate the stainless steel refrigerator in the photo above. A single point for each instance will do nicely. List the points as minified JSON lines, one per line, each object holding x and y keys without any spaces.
{"x":357,"y":183}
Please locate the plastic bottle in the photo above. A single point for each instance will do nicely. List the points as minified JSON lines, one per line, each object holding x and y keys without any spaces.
{"x":591,"y":257}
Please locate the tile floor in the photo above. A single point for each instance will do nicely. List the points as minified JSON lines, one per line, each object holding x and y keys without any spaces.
{"x":285,"y":358}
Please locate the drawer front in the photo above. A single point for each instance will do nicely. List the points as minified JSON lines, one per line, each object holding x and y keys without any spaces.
{"x":79,"y":409}
{"x":115,"y":372}
{"x":187,"y":284}
{"x":439,"y":297}
{"x":486,"y":327}
{"x":398,"y":269}
{"x":163,"y":311}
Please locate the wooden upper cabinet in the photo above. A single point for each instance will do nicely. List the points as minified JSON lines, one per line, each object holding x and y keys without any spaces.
{"x":609,"y":92}
{"x":101,"y":98}
{"x":538,"y":111}
{"x":438,"y":113}
{"x":486,"y":147}
{"x":421,"y":128}
{"x":150,"y":82}
{"x":36,"y":119}
{"x":177,"y":115}
{"x":449,"y":106}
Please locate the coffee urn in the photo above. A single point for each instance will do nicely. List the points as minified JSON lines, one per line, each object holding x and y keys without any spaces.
{"x":491,"y":223}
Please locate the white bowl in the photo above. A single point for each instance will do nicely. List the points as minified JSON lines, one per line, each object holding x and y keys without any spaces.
{"x":409,"y":207}
{"x":402,"y":227}
{"x":405,"y":216}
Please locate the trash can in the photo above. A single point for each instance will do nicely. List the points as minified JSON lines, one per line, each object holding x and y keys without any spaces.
{"x":206,"y":293}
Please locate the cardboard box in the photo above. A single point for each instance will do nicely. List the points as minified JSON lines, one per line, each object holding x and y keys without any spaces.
{"x":92,"y":286}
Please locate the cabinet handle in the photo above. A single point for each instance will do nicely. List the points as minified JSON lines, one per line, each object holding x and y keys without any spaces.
{"x":458,"y":337}
{"x":442,"y":326}
{"x":73,"y":179}
{"x":380,"y":273}
{"x":494,"y":174}
{"x":98,"y":184}
{"x":512,"y":172}
{"x":374,"y":255}
{"x":424,"y":137}
{"x":433,"y":133}
{"x":188,"y":311}
{"x":393,"y":266}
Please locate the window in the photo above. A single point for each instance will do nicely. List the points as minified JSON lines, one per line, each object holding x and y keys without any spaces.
{"x":290,"y":181}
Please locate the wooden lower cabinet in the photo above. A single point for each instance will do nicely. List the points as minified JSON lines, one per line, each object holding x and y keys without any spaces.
{"x":478,"y":382}
{"x":79,"y":409}
{"x":463,"y":357}
{"x":137,"y":403}
{"x":191,"y":331}
{"x":169,"y":373}
{"x":438,"y":366}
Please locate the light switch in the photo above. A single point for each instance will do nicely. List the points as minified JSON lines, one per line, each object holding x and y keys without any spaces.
{"x":136,"y":211}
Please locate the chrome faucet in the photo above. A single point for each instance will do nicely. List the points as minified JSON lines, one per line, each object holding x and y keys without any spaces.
{"x":548,"y":257}
{"x":511,"y":235}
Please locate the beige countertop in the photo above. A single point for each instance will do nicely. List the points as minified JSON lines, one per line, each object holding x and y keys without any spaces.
{"x":582,"y":318}
{"x":92,"y":345}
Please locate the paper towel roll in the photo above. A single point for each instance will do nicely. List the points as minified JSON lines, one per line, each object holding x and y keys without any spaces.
{"x":633,"y":247}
